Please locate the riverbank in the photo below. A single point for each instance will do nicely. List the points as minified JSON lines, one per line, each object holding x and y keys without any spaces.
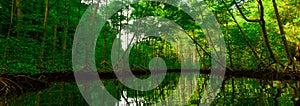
{"x":12,"y":85}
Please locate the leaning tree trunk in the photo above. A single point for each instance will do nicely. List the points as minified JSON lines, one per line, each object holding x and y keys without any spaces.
{"x":262,"y":24}
{"x":242,"y":32}
{"x":286,"y":47}
{"x":264,"y":32}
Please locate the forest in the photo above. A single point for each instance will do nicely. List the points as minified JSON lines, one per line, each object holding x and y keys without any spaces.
{"x":39,"y":42}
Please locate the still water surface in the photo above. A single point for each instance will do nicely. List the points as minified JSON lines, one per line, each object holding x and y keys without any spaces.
{"x":234,"y":91}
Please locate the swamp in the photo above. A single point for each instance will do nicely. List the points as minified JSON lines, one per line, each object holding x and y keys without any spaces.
{"x":150,"y":52}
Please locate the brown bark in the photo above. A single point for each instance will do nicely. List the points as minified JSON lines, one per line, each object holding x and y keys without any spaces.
{"x":54,"y":39}
{"x":41,"y":58}
{"x":229,"y":48}
{"x":19,"y":14}
{"x":261,"y":21}
{"x":104,"y":37}
{"x":11,"y":17}
{"x":87,"y":64}
{"x":264,"y":32}
{"x":66,"y":25}
{"x":286,"y":47}
{"x":243,"y":33}
{"x":243,"y":15}
{"x":8,"y":33}
{"x":105,"y":45}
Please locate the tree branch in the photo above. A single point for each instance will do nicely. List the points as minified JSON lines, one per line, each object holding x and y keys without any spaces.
{"x":243,"y":15}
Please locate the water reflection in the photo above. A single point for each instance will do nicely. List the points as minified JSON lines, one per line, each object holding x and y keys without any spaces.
{"x":234,"y":91}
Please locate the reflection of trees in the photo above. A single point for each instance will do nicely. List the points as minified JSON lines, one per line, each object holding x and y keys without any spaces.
{"x":295,"y":92}
{"x":157,"y":95}
{"x":240,"y":91}
{"x":234,"y":91}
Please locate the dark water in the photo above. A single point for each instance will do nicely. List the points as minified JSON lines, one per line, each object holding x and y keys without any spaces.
{"x":234,"y":91}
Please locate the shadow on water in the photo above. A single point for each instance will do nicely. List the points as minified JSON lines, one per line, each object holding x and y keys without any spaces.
{"x":234,"y":91}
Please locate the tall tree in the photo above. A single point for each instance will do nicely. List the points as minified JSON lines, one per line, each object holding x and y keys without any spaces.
{"x":286,"y":47}
{"x":262,"y":24}
{"x":54,"y":37}
{"x":242,"y":32}
{"x":8,"y":32}
{"x":228,"y":42}
{"x":264,"y":32}
{"x":11,"y":17}
{"x":104,"y":63}
{"x":65,"y":37}
{"x":42,"y":52}
{"x":19,"y":15}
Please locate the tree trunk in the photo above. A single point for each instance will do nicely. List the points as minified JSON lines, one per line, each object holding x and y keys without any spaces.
{"x":88,"y":42}
{"x":286,"y":47}
{"x":264,"y":32}
{"x":243,"y":33}
{"x":79,"y":9}
{"x":54,"y":39}
{"x":8,"y":33}
{"x":11,"y":17}
{"x":228,"y":42}
{"x":104,"y":38}
{"x":263,"y":27}
{"x":19,"y":15}
{"x":65,"y":37}
{"x":41,"y":58}
{"x":105,"y":45}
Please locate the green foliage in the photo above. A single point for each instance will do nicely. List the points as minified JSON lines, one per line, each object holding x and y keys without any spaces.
{"x":21,"y":49}
{"x":146,"y":50}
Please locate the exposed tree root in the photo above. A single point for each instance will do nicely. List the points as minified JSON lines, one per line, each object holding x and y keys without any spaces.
{"x":9,"y":87}
{"x":15,"y":85}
